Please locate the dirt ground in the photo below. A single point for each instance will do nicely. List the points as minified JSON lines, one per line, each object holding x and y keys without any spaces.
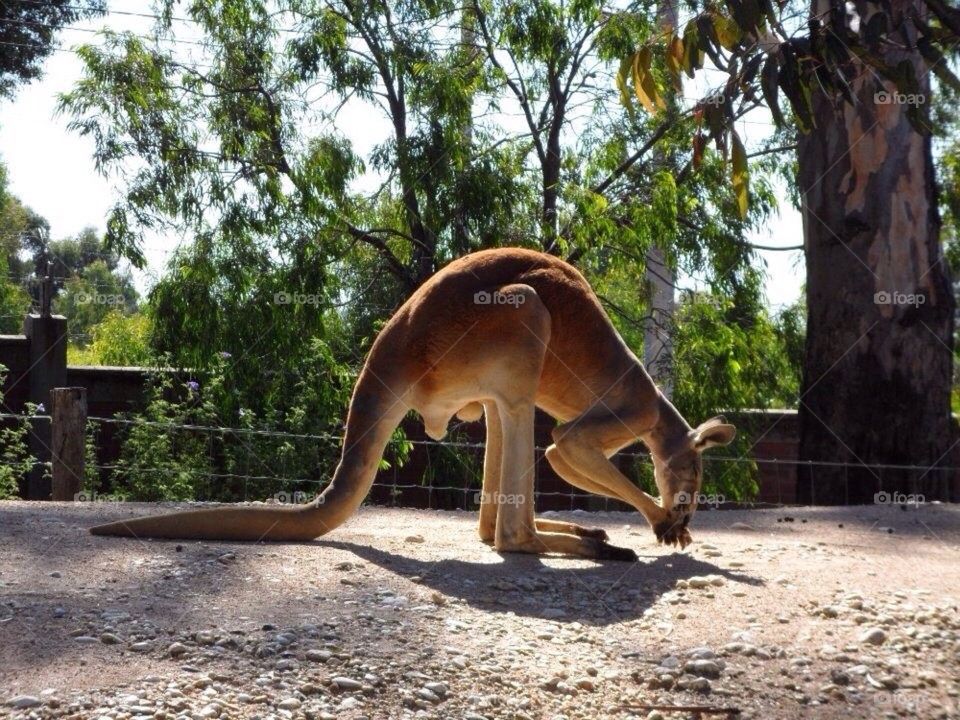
{"x":786,"y":613}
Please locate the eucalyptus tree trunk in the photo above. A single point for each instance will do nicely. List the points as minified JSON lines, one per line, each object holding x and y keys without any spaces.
{"x":657,"y":346}
{"x":878,"y":359}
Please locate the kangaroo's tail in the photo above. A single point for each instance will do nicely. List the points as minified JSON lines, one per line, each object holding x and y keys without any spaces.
{"x":373,"y":416}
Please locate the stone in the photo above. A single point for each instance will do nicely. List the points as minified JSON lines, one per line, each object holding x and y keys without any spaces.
{"x":318,"y":655}
{"x":347,"y":684}
{"x":177,"y":649}
{"x":873,"y":636}
{"x":839,"y":677}
{"x":22,"y":702}
{"x":438,"y":688}
{"x":695,"y":684}
{"x":703,"y":668}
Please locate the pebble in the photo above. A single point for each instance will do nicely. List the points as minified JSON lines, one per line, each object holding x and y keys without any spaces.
{"x":702,"y":668}
{"x":414,"y":539}
{"x":438,"y":688}
{"x":873,"y":636}
{"x":109,"y":638}
{"x":177,"y":649}
{"x":289,"y":704}
{"x":696,"y":684}
{"x":347,"y":684}
{"x":705,"y":581}
{"x":22,"y":702}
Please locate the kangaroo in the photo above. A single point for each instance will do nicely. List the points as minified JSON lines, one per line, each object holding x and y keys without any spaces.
{"x":497,"y":334}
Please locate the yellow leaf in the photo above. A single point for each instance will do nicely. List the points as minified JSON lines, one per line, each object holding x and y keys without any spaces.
{"x":639,"y":73}
{"x":625,"y":67}
{"x":728,"y":32}
{"x":644,"y":84}
{"x":741,"y":179}
{"x":674,"y":61}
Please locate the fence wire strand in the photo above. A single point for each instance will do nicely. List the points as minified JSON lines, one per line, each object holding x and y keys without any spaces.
{"x":218,"y":454}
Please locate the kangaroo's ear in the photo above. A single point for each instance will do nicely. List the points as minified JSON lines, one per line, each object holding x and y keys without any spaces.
{"x":712,"y":433}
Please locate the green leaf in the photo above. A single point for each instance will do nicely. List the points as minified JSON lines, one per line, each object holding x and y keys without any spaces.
{"x":692,"y":54}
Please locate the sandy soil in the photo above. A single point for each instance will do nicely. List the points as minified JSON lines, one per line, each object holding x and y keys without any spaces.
{"x":813,"y":613}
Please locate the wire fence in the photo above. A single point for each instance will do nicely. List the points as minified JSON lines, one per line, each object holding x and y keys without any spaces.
{"x":145,"y":459}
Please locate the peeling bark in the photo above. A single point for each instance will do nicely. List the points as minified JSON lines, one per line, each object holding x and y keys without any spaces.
{"x":878,"y":360}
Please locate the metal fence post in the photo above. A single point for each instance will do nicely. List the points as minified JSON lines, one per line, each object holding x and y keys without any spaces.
{"x":69,"y":424}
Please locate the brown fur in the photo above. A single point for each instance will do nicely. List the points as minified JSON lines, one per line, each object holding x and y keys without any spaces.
{"x":543,"y":341}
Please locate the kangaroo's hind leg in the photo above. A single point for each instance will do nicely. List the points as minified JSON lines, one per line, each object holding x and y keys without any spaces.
{"x":525,"y":325}
{"x":492,"y":465}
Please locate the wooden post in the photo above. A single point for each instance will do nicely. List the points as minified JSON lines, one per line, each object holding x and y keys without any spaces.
{"x":48,"y":370}
{"x":69,"y":423}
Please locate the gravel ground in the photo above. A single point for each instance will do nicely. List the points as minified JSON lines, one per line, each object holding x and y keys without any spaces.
{"x":812,"y":612}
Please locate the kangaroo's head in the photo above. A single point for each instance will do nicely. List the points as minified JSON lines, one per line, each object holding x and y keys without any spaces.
{"x":679,"y":476}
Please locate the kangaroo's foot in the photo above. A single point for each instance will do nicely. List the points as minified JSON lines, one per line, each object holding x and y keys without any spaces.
{"x":541,"y":543}
{"x":571,"y":529}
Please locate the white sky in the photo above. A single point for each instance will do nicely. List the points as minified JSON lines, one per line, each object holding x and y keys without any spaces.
{"x":52,"y":171}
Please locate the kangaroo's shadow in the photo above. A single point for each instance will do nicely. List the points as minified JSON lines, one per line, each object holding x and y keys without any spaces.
{"x":598,"y":594}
